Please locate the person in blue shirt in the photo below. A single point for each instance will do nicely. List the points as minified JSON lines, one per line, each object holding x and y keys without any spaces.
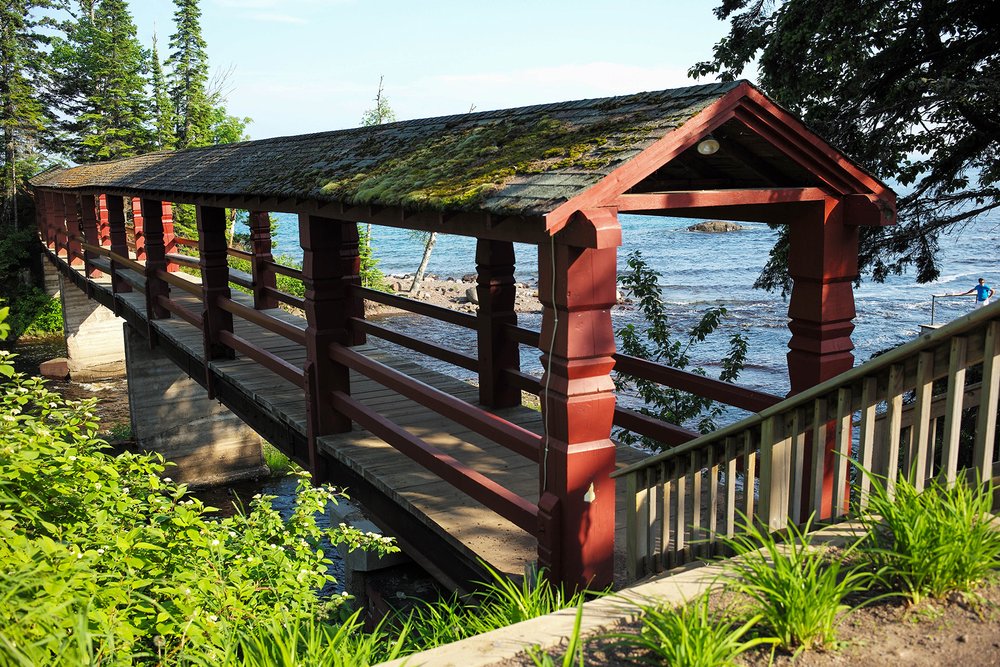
{"x":983,"y":293}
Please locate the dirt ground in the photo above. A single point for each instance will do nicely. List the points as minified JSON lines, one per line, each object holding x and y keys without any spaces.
{"x":962,"y":631}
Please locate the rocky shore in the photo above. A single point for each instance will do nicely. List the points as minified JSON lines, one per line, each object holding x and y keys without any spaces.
{"x":458,"y":293}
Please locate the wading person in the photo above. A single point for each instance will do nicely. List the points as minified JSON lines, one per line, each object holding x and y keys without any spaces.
{"x":983,"y":293}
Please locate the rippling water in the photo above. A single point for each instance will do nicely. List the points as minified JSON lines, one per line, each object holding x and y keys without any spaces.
{"x":701,"y":270}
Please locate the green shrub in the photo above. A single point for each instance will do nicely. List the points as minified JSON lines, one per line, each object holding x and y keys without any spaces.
{"x":102,"y":560}
{"x":691,"y":635}
{"x":656,"y":343}
{"x":33,"y":312}
{"x":798,"y":588}
{"x":935,"y":542}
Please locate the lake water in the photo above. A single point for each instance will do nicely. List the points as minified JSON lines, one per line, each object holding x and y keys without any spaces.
{"x":701,"y":270}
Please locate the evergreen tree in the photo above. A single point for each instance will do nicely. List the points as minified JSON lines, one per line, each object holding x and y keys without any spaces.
{"x":163,"y":116}
{"x":101,"y":84}
{"x":909,"y":88}
{"x":23,"y":115}
{"x":188,"y":64}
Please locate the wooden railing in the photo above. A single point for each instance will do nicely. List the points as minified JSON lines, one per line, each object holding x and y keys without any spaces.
{"x":912,"y":411}
{"x":633,"y":420}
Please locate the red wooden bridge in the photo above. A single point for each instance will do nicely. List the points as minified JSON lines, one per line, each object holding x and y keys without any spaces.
{"x":458,"y":472}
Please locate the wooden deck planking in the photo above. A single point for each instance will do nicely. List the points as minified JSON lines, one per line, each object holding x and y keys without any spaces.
{"x":464,"y":523}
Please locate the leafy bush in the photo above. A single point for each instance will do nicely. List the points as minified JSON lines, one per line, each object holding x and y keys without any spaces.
{"x":656,"y":343}
{"x":103,"y":560}
{"x":692,"y":635}
{"x":935,"y":542}
{"x":798,"y":588}
{"x":33,"y":312}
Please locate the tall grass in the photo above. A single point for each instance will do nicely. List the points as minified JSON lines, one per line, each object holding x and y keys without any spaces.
{"x":573,"y":655}
{"x":799,"y":589}
{"x":935,"y":542}
{"x":692,"y":635}
{"x":499,"y":603}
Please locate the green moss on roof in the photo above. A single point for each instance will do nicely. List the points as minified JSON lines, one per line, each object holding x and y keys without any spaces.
{"x":523,"y":161}
{"x":461,"y":169}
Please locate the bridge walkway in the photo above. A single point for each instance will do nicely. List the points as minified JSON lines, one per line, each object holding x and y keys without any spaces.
{"x":466,"y":528}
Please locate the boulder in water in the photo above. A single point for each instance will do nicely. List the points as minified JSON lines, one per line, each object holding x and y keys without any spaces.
{"x":55,"y":369}
{"x":716,"y":226}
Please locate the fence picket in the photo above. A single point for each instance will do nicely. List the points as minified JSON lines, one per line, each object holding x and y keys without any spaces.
{"x":866,"y":439}
{"x":953,"y":409}
{"x":986,"y":423}
{"x":841,"y":478}
{"x":791,"y":438}
{"x":920,"y":452}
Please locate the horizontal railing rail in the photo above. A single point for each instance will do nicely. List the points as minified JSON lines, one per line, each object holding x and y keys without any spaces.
{"x":270,"y":361}
{"x":418,"y":307}
{"x":447,"y":355}
{"x":265,"y":321}
{"x":632,"y":420}
{"x":519,"y":511}
{"x":513,"y":437}
{"x":884,"y":416}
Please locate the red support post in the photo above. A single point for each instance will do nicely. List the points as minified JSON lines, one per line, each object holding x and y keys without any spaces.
{"x":169,"y":244}
{"x":57,"y":224}
{"x":74,"y":247}
{"x":823,"y":264}
{"x":154,"y":212}
{"x":327,"y":273}
{"x":44,"y":215}
{"x":103,"y":222}
{"x":214,"y":264}
{"x":119,"y":240}
{"x":496,"y":291}
{"x":264,"y":277}
{"x":88,"y":227}
{"x":577,"y":288}
{"x":138,"y":229}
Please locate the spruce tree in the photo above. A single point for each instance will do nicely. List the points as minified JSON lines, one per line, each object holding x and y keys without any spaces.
{"x":24,"y":116}
{"x":102,"y":85}
{"x":163,"y":115}
{"x":188,"y":63}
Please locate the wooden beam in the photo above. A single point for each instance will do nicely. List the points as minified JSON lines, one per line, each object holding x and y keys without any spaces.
{"x":701,"y":198}
{"x":478,"y":224}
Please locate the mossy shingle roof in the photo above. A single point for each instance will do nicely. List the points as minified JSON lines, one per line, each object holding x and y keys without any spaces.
{"x":523,"y":161}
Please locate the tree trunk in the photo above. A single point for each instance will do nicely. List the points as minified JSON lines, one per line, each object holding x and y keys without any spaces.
{"x":428,"y":248}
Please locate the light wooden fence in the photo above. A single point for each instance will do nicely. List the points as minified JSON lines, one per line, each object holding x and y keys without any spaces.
{"x":925,"y":409}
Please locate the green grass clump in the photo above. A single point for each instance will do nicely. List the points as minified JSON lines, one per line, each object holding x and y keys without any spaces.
{"x":276,"y":461}
{"x":692,"y":635}
{"x":498,"y":604}
{"x":574,"y":649}
{"x":935,"y":542}
{"x":798,"y":589}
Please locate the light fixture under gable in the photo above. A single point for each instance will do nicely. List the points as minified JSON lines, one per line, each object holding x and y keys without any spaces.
{"x":708,"y":146}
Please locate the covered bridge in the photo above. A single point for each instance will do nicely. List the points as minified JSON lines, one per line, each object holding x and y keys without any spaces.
{"x":555,"y":176}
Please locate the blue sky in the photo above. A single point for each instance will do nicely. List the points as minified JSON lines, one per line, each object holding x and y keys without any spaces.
{"x":299,"y":66}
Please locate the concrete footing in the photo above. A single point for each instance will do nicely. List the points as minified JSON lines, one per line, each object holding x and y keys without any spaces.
{"x":94,"y":344}
{"x":173,"y":416}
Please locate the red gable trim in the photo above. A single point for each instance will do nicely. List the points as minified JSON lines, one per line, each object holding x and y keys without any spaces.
{"x":751,"y":107}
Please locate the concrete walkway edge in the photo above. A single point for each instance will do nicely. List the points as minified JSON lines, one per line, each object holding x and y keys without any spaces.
{"x":674,"y":587}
